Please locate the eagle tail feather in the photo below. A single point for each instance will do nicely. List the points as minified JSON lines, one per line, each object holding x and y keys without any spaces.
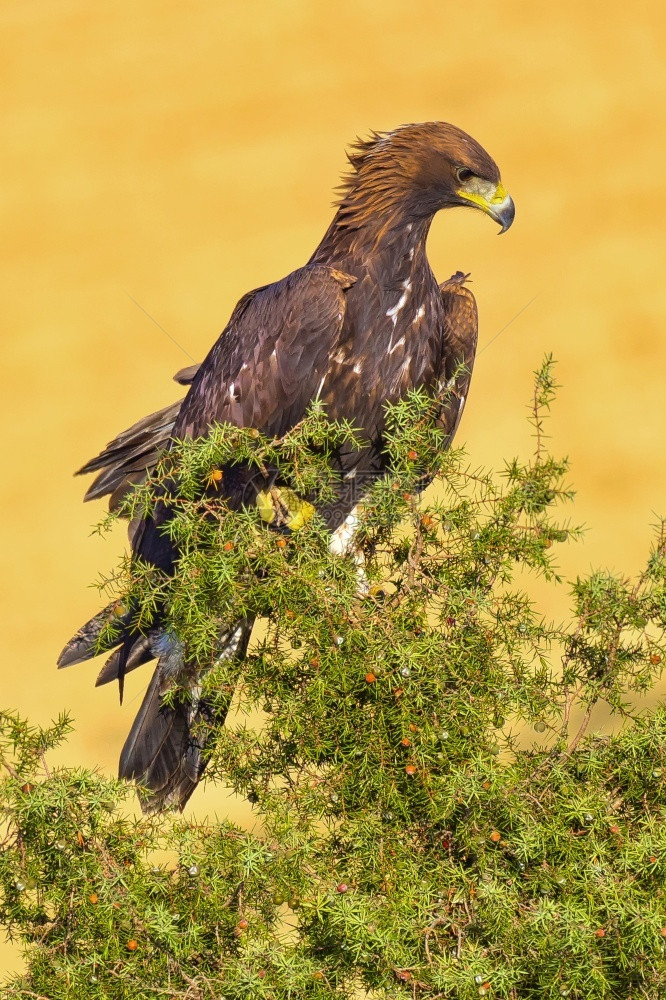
{"x":164,"y":751}
{"x":139,"y":654}
{"x":86,"y":643}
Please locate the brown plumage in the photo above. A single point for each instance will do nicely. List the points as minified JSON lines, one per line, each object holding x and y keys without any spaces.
{"x":359,"y":325}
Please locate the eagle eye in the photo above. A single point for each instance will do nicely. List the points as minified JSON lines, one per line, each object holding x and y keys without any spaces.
{"x":464,"y":174}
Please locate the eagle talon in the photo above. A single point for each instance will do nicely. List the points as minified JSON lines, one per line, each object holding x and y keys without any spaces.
{"x":281,"y":507}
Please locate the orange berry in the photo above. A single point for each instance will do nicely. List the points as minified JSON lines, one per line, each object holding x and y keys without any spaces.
{"x":132,"y":945}
{"x":663,"y":931}
{"x":370,"y":677}
{"x":404,"y":975}
{"x":281,"y":543}
{"x":495,"y":836}
{"x":317,"y":975}
{"x":655,"y":659}
{"x":406,"y":496}
{"x":314,"y":662}
{"x":410,"y":770}
{"x":242,"y":924}
{"x":412,"y":455}
{"x":217,"y":475}
{"x":228,"y":546}
{"x":405,"y":742}
{"x":289,"y":614}
{"x":398,"y":693}
{"x":427,"y":521}
{"x":412,"y":727}
{"x":93,"y":897}
{"x":261,"y":974}
{"x":600,"y":932}
{"x":614,"y":828}
{"x":486,"y":986}
{"x":652,"y":858}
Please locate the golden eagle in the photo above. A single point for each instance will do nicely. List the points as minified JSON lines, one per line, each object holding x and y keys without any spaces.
{"x":359,"y":325}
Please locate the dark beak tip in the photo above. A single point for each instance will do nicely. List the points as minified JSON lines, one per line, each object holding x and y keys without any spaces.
{"x":506,"y":216}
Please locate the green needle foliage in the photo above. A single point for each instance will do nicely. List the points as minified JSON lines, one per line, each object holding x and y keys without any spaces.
{"x":410,"y":846}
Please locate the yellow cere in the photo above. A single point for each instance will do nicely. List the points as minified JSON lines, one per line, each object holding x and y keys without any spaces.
{"x":484,"y":198}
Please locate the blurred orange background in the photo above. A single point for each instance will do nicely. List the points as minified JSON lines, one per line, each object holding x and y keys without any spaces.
{"x":181,"y":154}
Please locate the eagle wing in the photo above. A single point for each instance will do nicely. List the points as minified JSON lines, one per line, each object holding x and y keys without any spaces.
{"x":459,"y":340}
{"x":271,"y":359}
{"x":262,"y":372}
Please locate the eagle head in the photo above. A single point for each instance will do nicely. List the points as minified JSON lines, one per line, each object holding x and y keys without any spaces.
{"x":432,"y":165}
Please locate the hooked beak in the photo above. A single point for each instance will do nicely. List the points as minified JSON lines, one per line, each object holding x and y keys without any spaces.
{"x":503,"y":212}
{"x":494,"y":201}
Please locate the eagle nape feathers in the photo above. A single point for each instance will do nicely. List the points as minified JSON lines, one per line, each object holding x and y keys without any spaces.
{"x":362,"y":323}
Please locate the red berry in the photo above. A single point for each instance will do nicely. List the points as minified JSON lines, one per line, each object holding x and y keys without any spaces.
{"x":27,"y":788}
{"x":655,"y":659}
{"x":412,"y":455}
{"x":242,"y":924}
{"x":342,"y":887}
{"x":600,"y":932}
{"x":404,"y":742}
{"x":261,"y":974}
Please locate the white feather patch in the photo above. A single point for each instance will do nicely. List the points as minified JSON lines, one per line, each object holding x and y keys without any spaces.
{"x":342,"y":539}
